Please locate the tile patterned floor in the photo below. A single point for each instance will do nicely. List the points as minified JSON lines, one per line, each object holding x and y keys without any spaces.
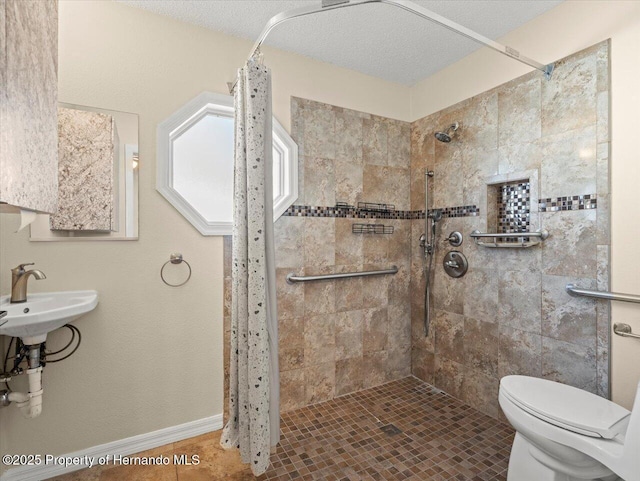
{"x":402,"y":430}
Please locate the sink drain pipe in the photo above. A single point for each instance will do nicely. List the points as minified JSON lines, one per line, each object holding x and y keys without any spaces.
{"x":30,"y":404}
{"x":36,"y":355}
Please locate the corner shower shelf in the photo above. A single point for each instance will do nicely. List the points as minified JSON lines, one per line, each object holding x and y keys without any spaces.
{"x":525,"y":239}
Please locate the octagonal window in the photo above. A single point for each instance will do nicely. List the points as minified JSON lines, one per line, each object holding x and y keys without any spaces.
{"x":195,"y":163}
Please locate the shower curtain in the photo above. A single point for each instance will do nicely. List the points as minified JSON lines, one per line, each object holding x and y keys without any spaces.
{"x":254,"y":413}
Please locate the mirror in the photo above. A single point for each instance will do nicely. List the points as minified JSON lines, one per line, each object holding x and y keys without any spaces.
{"x":98,"y":166}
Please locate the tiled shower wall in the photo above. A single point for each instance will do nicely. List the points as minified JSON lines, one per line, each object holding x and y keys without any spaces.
{"x":510,"y":314}
{"x":341,"y":336}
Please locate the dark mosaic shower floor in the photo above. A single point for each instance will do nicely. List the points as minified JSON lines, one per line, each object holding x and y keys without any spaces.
{"x":403,"y":430}
{"x":440,"y":438}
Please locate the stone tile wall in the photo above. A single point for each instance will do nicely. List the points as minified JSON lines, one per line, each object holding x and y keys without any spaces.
{"x":341,"y":336}
{"x":510,"y":313}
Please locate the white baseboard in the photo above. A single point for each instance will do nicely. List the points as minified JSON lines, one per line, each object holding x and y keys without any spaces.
{"x":123,"y":447}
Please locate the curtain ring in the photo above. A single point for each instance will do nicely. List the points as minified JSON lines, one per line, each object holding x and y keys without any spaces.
{"x":175,"y":259}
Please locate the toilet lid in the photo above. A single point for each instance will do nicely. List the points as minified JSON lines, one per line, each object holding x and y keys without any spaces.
{"x":566,"y":406}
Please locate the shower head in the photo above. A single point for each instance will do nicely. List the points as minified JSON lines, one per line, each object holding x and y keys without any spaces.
{"x":447,"y":135}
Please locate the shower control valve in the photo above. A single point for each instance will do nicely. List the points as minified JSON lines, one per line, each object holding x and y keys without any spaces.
{"x":455,"y":264}
{"x":455,"y":239}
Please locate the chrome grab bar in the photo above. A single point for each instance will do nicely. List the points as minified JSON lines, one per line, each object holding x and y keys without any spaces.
{"x":292,"y":278}
{"x":542,"y":234}
{"x":624,"y":330}
{"x":535,"y":238}
{"x":572,"y":290}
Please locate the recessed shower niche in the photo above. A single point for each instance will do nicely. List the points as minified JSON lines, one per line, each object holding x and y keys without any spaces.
{"x":512,"y":208}
{"x":513,"y":205}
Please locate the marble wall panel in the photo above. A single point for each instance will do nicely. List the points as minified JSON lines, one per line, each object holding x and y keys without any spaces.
{"x":87,"y":158}
{"x":29,"y":104}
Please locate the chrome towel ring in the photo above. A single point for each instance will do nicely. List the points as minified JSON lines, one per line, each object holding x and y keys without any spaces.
{"x":175,"y":259}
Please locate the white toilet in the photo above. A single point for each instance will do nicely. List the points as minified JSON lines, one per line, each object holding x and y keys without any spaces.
{"x":567,"y":434}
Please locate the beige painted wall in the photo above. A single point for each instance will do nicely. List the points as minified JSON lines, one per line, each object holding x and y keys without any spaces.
{"x":566,"y":29}
{"x":151,"y":356}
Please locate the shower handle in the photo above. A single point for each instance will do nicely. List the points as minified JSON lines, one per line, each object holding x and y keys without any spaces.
{"x":455,"y":239}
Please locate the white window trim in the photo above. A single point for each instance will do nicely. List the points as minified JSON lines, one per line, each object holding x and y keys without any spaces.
{"x":210,"y":103}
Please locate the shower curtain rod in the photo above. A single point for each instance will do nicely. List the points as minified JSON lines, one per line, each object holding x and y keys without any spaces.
{"x":411,"y":7}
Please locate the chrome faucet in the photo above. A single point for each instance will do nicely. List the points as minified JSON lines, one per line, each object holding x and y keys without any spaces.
{"x":19,"y":278}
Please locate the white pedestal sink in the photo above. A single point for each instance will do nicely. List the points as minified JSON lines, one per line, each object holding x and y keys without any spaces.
{"x":31,"y":321}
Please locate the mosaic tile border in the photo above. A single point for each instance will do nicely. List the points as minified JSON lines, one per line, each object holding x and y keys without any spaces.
{"x":575,"y":202}
{"x":357,"y":213}
{"x":551,"y":204}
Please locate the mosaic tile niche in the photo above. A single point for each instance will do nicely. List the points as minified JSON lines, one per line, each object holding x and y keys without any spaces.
{"x":510,"y":314}
{"x":513,"y":207}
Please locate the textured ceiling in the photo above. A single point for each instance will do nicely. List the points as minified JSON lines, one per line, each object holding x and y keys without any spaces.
{"x":379,"y":40}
